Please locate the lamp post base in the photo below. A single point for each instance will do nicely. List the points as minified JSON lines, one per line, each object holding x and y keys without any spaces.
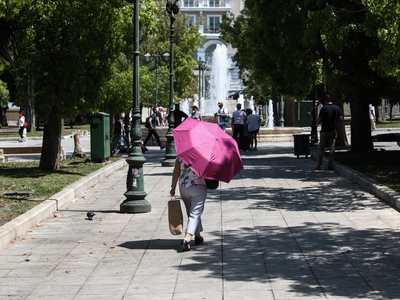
{"x":135,"y":206}
{"x":168,"y":162}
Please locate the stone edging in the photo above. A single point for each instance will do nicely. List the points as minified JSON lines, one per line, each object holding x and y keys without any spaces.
{"x":381,"y":191}
{"x":20,"y":225}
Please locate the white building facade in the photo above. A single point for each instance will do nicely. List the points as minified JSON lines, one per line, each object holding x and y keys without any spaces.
{"x":207,"y":14}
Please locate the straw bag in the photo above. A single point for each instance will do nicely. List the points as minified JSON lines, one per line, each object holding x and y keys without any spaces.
{"x":175,"y":217}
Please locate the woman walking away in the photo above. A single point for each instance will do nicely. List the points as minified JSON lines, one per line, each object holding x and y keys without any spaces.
{"x":193,"y":192}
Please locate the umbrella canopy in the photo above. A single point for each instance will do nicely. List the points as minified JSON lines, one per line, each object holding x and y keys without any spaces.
{"x":207,"y":150}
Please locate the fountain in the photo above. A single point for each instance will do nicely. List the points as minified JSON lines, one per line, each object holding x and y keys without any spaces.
{"x":251,"y":104}
{"x":219,"y":81}
{"x":185,"y":106}
{"x":270,"y":115}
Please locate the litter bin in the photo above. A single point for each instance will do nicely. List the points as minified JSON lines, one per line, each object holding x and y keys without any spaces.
{"x":99,"y":137}
{"x":301,"y":144}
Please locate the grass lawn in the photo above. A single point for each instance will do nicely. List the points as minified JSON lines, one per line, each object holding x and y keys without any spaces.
{"x":383,"y":166}
{"x":66,"y":131}
{"x":393,"y":123}
{"x":26,"y":176}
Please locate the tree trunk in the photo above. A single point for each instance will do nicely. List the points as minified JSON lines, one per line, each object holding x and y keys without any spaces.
{"x":341,"y":139}
{"x":380,"y":112}
{"x":360,"y":128}
{"x":77,"y":147}
{"x":51,"y":148}
{"x":3,"y":119}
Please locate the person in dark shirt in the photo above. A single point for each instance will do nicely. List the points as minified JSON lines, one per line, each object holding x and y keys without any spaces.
{"x":153,"y":122}
{"x":179,"y":115}
{"x":328,"y":115}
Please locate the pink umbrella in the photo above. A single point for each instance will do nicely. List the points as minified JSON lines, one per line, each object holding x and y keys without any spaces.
{"x":207,"y":150}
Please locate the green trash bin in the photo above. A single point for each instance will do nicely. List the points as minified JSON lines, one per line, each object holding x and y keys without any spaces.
{"x":100,"y":137}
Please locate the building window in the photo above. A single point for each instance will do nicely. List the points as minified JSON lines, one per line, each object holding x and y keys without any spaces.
{"x":191,"y":21}
{"x":214,"y":3}
{"x":214,"y":24}
{"x":188,"y":3}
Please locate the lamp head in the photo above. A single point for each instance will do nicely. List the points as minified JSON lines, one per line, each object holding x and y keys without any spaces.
{"x":172,"y":6}
{"x":166,"y":56}
{"x":147,"y":56}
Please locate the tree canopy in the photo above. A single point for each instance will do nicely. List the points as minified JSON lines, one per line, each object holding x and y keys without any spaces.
{"x":348,"y":47}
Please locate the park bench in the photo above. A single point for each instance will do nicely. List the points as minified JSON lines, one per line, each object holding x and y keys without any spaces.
{"x":7,"y":152}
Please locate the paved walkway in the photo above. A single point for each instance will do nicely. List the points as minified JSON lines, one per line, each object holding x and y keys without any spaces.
{"x":279,"y":230}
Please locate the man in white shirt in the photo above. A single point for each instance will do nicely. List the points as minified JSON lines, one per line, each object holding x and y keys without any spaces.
{"x":222,"y":113}
{"x":239,"y":117}
{"x":372,"y":117}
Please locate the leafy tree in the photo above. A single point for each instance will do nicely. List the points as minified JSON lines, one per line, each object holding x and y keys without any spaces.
{"x":154,"y":38}
{"x":348,"y":47}
{"x":69,"y":47}
{"x":4,"y":94}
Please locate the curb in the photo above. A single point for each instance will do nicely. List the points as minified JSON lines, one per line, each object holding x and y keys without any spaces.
{"x":10,"y":231}
{"x":372,"y":186}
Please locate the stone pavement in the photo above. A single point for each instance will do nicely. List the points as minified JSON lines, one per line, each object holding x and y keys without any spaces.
{"x":279,"y":230}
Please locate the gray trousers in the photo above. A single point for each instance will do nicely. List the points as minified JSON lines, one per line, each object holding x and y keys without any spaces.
{"x":194,"y":198}
{"x":327,"y":139}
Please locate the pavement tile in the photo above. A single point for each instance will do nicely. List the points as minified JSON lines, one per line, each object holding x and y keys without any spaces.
{"x":278,"y":231}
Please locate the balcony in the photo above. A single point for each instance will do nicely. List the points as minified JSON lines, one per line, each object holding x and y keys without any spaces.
{"x":213,"y":5}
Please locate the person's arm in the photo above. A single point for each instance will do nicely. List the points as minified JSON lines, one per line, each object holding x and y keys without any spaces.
{"x":201,"y":117}
{"x":175,"y":177}
{"x":151,"y":123}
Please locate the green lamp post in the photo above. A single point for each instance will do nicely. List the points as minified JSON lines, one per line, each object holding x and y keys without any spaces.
{"x":282,"y":120}
{"x":202,"y":66}
{"x":170,"y":152}
{"x":135,"y":195}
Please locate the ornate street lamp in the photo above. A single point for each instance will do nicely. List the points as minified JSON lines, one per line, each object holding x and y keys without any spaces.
{"x":202,"y":66}
{"x":282,"y":120}
{"x":135,"y":195}
{"x":170,"y":152}
{"x":156,"y":58}
{"x":314,"y":124}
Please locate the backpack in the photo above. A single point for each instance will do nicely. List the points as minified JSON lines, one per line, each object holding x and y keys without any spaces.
{"x":147,"y":125}
{"x":26,"y":124}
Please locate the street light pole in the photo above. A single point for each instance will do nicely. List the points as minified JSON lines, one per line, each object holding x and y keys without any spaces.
{"x":282,"y":120}
{"x":314,"y":124}
{"x":201,"y":65}
{"x":170,"y":152}
{"x":135,"y":195}
{"x":157,"y":58}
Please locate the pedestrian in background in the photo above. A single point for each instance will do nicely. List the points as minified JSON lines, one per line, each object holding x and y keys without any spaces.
{"x":21,"y":126}
{"x":253,"y":122}
{"x":194,"y":193}
{"x":328,"y":115}
{"x":239,"y":117}
{"x":222,"y":113}
{"x":372,"y":117}
{"x":152,"y":124}
{"x":196,"y":114}
{"x":179,"y":116}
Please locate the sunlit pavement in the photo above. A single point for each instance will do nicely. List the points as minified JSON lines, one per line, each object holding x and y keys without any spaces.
{"x":278,"y":230}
